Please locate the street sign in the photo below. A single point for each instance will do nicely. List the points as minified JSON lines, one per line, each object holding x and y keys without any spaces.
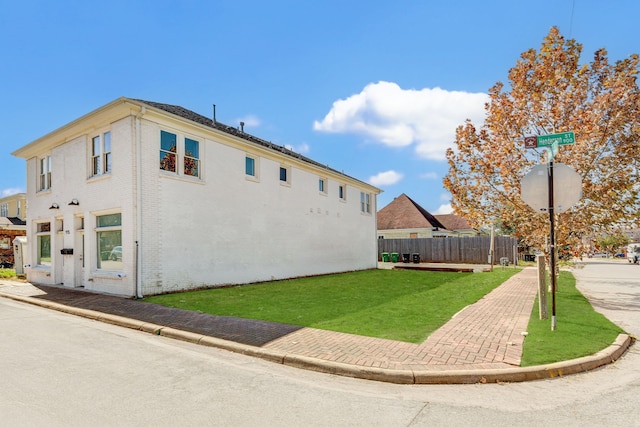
{"x":564,"y":138}
{"x":567,"y":189}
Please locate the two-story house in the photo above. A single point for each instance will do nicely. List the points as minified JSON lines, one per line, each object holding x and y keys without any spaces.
{"x":139,"y":198}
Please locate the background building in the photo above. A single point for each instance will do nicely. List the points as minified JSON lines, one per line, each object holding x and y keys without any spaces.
{"x":12,"y":224}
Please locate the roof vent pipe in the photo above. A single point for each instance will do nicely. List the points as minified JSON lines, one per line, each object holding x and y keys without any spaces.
{"x":214,"y":114}
{"x":241,"y":126}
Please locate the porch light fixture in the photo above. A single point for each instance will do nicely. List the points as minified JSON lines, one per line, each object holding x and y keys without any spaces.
{"x":74,"y":202}
{"x":54,"y":206}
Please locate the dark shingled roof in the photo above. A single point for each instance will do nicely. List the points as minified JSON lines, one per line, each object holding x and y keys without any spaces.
{"x":16,"y":221}
{"x":206,"y":121}
{"x":403,"y":213}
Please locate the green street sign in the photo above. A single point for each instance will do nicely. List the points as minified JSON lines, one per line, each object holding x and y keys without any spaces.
{"x":564,"y":138}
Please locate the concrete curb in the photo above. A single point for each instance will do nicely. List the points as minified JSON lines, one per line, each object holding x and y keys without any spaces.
{"x":397,"y":376}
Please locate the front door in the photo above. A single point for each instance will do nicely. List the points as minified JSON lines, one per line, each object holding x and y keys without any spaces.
{"x":78,"y":256}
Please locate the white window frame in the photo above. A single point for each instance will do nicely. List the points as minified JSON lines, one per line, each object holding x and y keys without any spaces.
{"x":190,"y":157}
{"x":323,"y":186}
{"x":365,"y":202}
{"x":256,"y":167}
{"x":287,"y":171}
{"x":4,"y":210}
{"x":44,"y":173}
{"x":39,"y":234}
{"x":169,"y":152}
{"x":181,"y":156}
{"x":101,"y":154}
{"x":342,"y":188}
{"x":101,"y":229}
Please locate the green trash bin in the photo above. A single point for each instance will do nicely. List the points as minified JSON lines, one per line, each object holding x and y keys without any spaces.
{"x":385,"y":257}
{"x":394,"y":257}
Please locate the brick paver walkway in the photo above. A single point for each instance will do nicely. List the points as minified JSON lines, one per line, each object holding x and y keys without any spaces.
{"x":487,"y":334}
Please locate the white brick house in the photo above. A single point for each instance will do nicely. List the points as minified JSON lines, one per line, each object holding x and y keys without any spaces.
{"x":139,"y":198}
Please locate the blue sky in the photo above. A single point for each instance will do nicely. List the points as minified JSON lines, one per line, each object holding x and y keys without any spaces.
{"x":372,"y":88}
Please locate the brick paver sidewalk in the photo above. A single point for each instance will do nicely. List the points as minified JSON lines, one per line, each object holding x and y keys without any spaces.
{"x":487,"y":334}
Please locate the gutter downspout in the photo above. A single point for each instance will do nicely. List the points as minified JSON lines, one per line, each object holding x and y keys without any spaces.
{"x":138,"y":268}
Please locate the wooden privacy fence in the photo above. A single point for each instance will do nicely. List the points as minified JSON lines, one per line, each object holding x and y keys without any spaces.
{"x":464,"y":250}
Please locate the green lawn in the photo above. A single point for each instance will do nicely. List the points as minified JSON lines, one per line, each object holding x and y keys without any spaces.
{"x":403,"y":305}
{"x":7,"y":273}
{"x":400,"y":305}
{"x":580,"y":331}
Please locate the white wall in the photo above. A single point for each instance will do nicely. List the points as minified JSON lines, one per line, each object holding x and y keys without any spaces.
{"x":221,"y":229}
{"x":229,"y":229}
{"x":71,"y":179}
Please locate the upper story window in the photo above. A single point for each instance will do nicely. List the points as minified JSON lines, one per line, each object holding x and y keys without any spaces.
{"x":342,"y":192}
{"x":168,"y":150}
{"x":251,"y":165}
{"x":4,"y":209}
{"x":285,"y":175}
{"x":365,"y":202}
{"x":101,"y":154}
{"x":191,"y":157}
{"x":180,"y":155}
{"x":45,"y":173}
{"x":322,"y":185}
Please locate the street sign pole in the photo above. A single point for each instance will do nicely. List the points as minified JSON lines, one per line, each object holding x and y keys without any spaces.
{"x":551,"y":143}
{"x":552,"y":251}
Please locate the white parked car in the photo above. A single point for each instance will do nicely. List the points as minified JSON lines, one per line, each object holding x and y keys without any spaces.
{"x":633,"y":253}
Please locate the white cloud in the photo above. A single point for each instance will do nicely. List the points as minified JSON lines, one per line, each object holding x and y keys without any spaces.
{"x":399,"y":117}
{"x":302,"y":148}
{"x":250,"y":121}
{"x":386,"y":178}
{"x":429,"y":175}
{"x":444,"y":209}
{"x":10,"y":192}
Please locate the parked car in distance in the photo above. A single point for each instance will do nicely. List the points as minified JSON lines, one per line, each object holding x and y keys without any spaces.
{"x":116,"y":253}
{"x":633,"y":253}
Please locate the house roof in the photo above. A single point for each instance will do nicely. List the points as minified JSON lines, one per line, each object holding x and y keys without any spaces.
{"x":403,"y":213}
{"x":16,"y":221}
{"x":81,"y":124}
{"x":454,"y":222}
{"x":11,"y":222}
{"x":240,"y":133}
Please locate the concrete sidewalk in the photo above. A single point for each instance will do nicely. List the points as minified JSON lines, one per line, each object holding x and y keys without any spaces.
{"x":481,"y":343}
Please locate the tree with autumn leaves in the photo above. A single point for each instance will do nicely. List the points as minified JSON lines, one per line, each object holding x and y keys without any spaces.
{"x":550,"y":92}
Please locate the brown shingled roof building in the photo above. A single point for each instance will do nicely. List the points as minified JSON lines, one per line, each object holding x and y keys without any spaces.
{"x":403,"y":218}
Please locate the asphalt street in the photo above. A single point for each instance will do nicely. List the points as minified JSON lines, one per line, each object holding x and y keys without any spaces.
{"x":59,"y":369}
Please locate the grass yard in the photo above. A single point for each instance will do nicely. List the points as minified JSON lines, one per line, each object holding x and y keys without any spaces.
{"x":580,"y":330}
{"x":404,"y":305}
{"x":400,"y":305}
{"x":7,"y":273}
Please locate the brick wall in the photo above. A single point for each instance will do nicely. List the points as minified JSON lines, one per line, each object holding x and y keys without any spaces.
{"x":6,"y":255}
